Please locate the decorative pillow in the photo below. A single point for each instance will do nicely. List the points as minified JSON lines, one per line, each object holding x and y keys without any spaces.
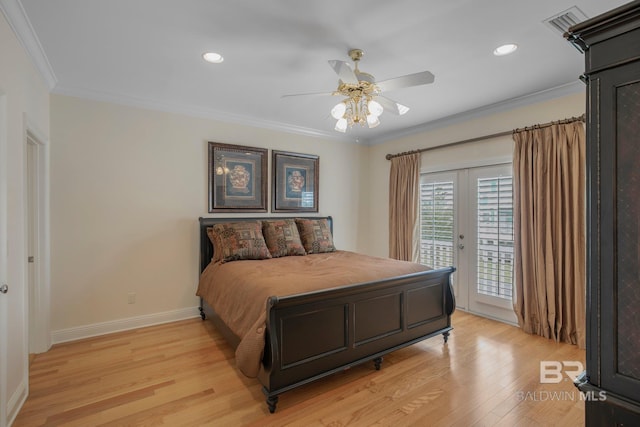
{"x":240,"y":240}
{"x":217,"y":245}
{"x":315,"y":235}
{"x":282,"y":237}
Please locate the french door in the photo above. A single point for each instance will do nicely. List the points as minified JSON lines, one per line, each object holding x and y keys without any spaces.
{"x":466,"y":220}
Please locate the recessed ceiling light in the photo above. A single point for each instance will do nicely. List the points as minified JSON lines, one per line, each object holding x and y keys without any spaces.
{"x":505,"y":49}
{"x":214,"y":58}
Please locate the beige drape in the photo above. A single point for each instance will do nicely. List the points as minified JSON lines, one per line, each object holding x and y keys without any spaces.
{"x":404,"y":202}
{"x":549,"y":229}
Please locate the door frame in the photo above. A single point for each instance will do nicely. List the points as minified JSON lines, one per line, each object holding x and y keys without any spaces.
{"x":3,"y":258}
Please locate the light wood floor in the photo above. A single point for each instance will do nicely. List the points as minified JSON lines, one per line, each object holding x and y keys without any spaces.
{"x":183,"y":374}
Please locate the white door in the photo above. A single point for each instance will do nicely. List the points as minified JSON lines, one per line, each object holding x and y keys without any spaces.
{"x":3,"y":263}
{"x":491,"y":245}
{"x":32,"y":240}
{"x":37,"y":243}
{"x":466,"y":221}
{"x":439,"y":205}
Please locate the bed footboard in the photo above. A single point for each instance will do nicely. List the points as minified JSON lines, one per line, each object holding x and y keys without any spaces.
{"x":312,"y":335}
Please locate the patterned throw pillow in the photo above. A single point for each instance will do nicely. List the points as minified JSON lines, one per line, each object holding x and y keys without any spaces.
{"x":282,"y":237}
{"x":315,"y":235}
{"x":217,"y":245}
{"x":240,"y":240}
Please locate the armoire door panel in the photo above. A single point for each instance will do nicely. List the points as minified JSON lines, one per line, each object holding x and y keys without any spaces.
{"x":628,"y":229}
{"x":619,"y":240}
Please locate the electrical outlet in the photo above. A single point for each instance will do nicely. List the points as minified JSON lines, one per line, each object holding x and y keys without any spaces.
{"x":132,"y":297}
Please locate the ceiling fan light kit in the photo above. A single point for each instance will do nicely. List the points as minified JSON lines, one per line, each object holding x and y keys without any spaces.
{"x":359,"y":90}
{"x":363,"y":101}
{"x":356,"y":109}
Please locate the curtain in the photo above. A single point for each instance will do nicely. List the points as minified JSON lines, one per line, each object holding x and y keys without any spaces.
{"x":404,"y":202}
{"x":549,"y":231}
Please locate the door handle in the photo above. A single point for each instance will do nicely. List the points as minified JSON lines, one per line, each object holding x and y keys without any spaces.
{"x":4,"y":289}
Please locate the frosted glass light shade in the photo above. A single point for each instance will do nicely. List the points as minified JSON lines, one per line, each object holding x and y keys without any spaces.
{"x":341,"y":125}
{"x":372,"y":121}
{"x":337,"y":112}
{"x":375,"y":108}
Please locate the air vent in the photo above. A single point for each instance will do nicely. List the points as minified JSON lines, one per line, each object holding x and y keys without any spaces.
{"x":561,"y":22}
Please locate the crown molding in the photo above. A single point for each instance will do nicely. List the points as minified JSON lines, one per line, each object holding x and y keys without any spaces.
{"x":498,"y":107}
{"x":193,"y":111}
{"x":21,"y":26}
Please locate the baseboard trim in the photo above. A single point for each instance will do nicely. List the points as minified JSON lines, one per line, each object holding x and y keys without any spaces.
{"x":16,"y":401}
{"x":96,"y":329}
{"x":486,"y":316}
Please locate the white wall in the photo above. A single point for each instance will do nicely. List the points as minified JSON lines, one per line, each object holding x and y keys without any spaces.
{"x":377,"y":243}
{"x":127,"y":188}
{"x":128,"y":185}
{"x":27,"y":105}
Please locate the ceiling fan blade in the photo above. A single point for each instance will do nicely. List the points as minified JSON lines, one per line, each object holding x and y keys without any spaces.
{"x":309,"y":94}
{"x":391,"y":105}
{"x":344,"y":71}
{"x":417,"y":79}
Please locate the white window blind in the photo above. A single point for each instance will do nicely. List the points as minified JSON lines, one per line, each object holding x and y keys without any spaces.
{"x":436,"y":224}
{"x":495,"y":237}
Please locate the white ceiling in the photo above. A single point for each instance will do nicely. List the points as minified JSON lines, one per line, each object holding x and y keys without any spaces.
{"x":148,"y":53}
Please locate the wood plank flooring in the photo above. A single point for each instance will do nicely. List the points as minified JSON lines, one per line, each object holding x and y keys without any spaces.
{"x":183,"y":374}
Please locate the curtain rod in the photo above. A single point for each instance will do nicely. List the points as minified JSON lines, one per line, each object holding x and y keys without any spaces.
{"x":493,"y":135}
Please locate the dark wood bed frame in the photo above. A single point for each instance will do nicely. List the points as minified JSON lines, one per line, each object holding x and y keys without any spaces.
{"x":315,"y":334}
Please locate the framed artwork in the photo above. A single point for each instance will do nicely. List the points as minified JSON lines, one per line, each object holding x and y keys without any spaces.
{"x":295,"y":182}
{"x":237,"y":178}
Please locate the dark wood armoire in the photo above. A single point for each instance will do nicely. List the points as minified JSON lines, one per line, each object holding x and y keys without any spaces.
{"x":611,"y":382}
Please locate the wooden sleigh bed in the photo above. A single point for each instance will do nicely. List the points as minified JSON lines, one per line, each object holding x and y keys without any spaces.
{"x":310,"y":335}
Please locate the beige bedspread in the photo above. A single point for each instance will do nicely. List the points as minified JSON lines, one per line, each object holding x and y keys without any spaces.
{"x":238,"y":290}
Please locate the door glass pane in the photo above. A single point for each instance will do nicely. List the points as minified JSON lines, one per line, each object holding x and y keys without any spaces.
{"x":495,"y":237}
{"x":436,"y":224}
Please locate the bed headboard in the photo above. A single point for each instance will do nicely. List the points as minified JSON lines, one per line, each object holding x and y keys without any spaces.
{"x":206,"y":248}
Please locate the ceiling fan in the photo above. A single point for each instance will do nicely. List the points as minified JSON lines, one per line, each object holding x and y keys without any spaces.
{"x":364,"y":101}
